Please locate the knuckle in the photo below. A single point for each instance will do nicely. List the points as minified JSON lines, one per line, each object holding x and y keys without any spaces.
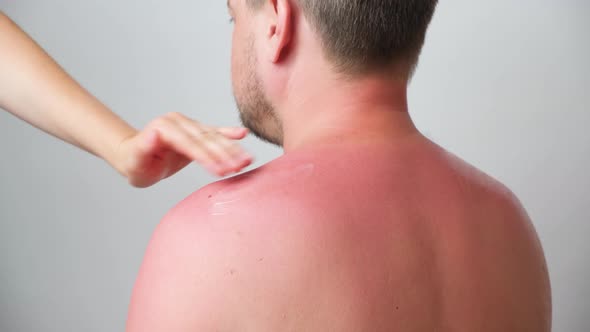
{"x":174,"y":116}
{"x":208,"y":135}
{"x":161,"y":122}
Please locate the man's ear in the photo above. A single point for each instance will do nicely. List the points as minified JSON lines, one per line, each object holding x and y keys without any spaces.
{"x":280,"y":31}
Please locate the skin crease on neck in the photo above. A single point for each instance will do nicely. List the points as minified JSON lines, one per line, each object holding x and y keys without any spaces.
{"x":362,"y":225}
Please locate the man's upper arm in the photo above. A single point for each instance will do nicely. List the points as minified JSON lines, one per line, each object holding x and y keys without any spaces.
{"x":213,"y":261}
{"x":181,"y":275}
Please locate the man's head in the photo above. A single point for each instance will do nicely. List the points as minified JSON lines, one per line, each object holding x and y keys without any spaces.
{"x":355,"y":38}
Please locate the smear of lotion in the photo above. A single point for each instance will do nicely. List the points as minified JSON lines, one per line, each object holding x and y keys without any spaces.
{"x":226,"y":198}
{"x":222,"y":208}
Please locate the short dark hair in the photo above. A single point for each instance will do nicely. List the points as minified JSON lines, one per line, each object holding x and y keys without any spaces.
{"x":361,"y":36}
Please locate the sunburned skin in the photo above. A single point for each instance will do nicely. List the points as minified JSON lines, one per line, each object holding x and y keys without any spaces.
{"x":234,"y":193}
{"x":350,"y":238}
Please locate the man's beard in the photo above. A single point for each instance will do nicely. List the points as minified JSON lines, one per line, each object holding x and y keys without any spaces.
{"x":256,"y":111}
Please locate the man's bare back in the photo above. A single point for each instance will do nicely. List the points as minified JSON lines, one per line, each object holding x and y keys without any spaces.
{"x":349,"y":238}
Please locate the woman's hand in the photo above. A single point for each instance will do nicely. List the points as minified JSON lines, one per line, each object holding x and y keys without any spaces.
{"x":171,"y":142}
{"x":36,"y":89}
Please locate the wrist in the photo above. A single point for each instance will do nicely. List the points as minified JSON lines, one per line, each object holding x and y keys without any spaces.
{"x":116,"y":154}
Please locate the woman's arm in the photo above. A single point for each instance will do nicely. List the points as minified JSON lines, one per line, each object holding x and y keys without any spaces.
{"x":36,"y":89}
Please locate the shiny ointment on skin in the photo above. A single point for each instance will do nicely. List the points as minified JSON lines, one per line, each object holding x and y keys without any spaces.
{"x":223,"y":201}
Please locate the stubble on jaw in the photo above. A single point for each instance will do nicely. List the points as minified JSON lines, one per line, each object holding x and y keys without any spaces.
{"x":256,"y":111}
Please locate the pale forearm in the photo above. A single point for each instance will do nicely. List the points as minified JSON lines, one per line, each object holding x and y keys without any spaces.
{"x":36,"y":89}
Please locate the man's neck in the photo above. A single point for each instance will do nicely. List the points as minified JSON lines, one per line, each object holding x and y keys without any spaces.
{"x":323,"y":112}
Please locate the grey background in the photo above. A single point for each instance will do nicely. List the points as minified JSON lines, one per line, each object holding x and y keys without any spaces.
{"x":504,"y":84}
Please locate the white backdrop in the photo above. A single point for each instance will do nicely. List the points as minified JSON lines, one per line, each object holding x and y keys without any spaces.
{"x":503,"y":84}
